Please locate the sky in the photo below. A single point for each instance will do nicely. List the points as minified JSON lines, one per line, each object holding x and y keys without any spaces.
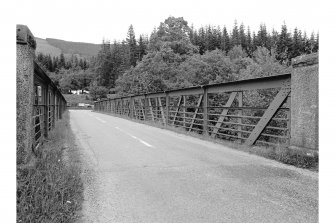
{"x":91,"y":21}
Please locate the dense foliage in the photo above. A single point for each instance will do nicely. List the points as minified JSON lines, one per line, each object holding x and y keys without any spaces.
{"x":177,"y":55}
{"x":67,"y":73}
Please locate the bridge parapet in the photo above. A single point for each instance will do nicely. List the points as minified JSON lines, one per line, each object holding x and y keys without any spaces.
{"x":38,"y":101}
{"x":305,"y":102}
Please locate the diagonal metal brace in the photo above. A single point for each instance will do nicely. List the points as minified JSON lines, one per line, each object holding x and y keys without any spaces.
{"x":269,"y":113}
{"x":223,"y":114}
{"x":161,"y":109}
{"x":150,"y":108}
{"x":178,"y":106}
{"x":196,"y":112}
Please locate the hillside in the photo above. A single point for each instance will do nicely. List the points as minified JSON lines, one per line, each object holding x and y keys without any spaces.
{"x":55,"y":47}
{"x":42,"y":46}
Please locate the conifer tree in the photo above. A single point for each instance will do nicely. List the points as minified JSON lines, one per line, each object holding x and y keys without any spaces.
{"x":317,"y":43}
{"x":131,"y":40}
{"x":262,"y":37}
{"x":235,"y":37}
{"x":284,"y":45}
{"x":210,"y":41}
{"x":61,"y":61}
{"x":243,"y":37}
{"x":202,"y":41}
{"x":297,"y":48}
{"x":104,"y":65}
{"x":274,"y":39}
{"x":142,"y":47}
{"x":226,"y":46}
{"x":249,"y":47}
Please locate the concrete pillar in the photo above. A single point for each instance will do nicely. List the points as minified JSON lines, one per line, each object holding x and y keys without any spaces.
{"x":305,"y":102}
{"x":25,"y":53}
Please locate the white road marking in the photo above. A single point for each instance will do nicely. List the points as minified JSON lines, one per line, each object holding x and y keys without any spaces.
{"x":134,"y":137}
{"x":99,"y":119}
{"x":145,"y":143}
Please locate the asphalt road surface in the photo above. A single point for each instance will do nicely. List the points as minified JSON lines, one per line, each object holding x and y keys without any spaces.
{"x":138,"y":173}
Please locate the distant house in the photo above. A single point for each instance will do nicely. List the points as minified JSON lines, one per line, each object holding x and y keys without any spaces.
{"x":85,"y":105}
{"x":79,"y":92}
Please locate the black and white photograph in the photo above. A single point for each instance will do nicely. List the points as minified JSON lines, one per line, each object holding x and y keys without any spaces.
{"x":167,"y":112}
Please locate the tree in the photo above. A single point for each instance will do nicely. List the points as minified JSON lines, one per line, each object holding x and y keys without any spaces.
{"x":235,"y":37}
{"x":243,"y":37}
{"x":98,"y":92}
{"x":274,"y":39}
{"x":265,"y":64}
{"x":225,"y":40}
{"x":61,"y":61}
{"x":131,"y":40}
{"x":317,"y":43}
{"x":297,"y":48}
{"x":284,"y":45}
{"x":173,"y":33}
{"x":142,"y":47}
{"x":249,"y":47}
{"x":202,"y":41}
{"x":262,"y":37}
{"x":50,"y":64}
{"x":212,"y":67}
{"x":104,"y":65}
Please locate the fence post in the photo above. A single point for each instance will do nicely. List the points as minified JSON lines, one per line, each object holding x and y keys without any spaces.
{"x":25,"y":54}
{"x":305,"y":102}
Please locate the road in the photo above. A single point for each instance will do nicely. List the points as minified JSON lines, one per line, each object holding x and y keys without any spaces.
{"x":138,"y":173}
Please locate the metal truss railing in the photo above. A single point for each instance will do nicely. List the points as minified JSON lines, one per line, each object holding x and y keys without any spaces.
{"x":49,"y":105}
{"x":253,"y":111}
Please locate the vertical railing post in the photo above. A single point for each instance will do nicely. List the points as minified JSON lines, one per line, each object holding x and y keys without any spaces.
{"x":157,"y":108}
{"x":205,"y":110}
{"x":167,"y":100}
{"x":54,"y":108}
{"x":110,"y":105}
{"x":46,"y":110}
{"x":240,"y":113}
{"x":145,"y":107}
{"x":61,"y":102}
{"x":288,"y":132}
{"x":131,"y":107}
{"x":184,"y":111}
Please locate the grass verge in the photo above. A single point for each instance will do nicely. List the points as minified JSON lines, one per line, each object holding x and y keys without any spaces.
{"x":280,"y":153}
{"x":52,"y":190}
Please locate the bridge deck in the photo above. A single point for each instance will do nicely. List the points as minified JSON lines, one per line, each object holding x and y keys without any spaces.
{"x":138,"y":173}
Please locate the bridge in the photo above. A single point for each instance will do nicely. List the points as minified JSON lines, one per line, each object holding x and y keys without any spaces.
{"x":253,"y":112}
{"x":136,"y":170}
